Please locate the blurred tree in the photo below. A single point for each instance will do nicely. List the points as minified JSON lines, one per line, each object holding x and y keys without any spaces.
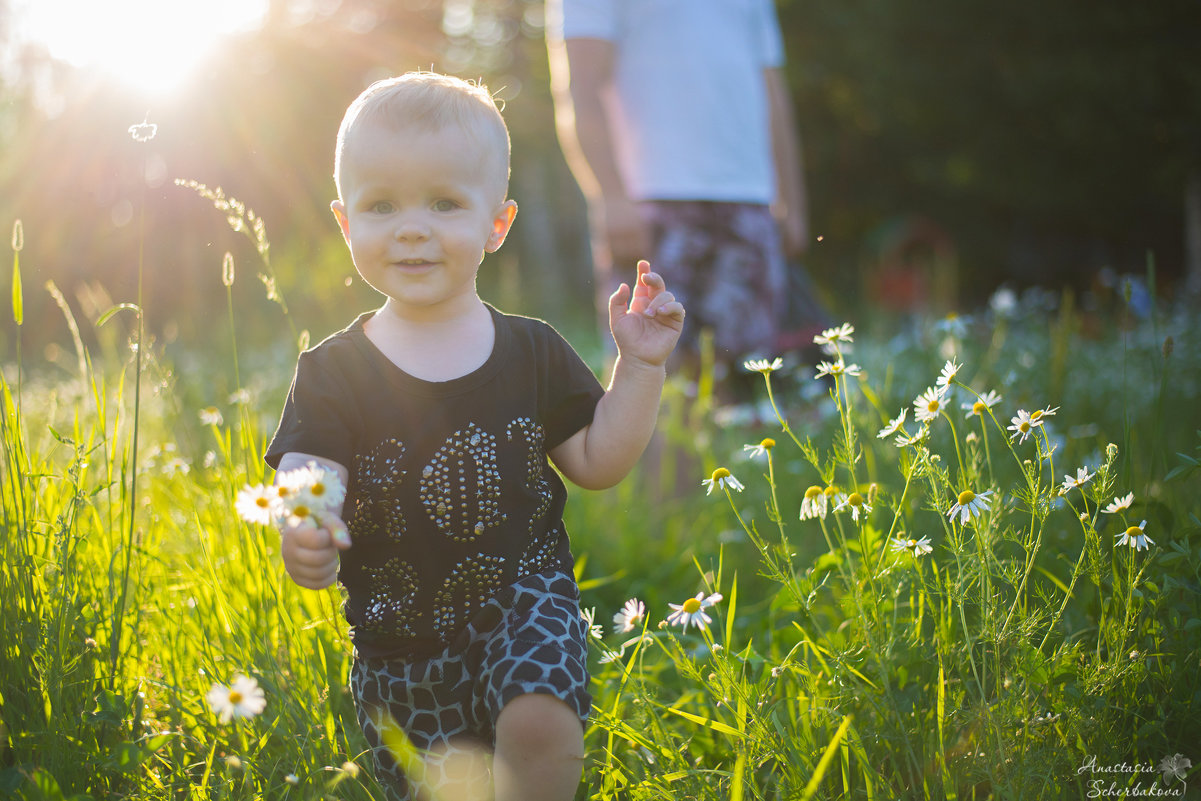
{"x":1050,"y":140}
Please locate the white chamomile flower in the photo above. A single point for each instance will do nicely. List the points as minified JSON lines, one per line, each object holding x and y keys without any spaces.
{"x":830,"y":336}
{"x":692,"y":611}
{"x":1022,"y":425}
{"x":915,"y":547}
{"x":257,"y":504}
{"x":722,"y":479}
{"x":894,"y":425}
{"x":762,"y":448}
{"x":978,"y":407}
{"x":857,"y":503}
{"x":969,"y":505}
{"x":763,"y":365}
{"x":949,"y":371}
{"x":929,"y":404}
{"x":242,"y":699}
{"x":904,"y":441}
{"x":1136,"y":537}
{"x":629,"y":616}
{"x":815,"y":503}
{"x":595,"y":631}
{"x":211,"y":416}
{"x":1037,"y":415}
{"x":1081,"y":478}
{"x":1119,"y":504}
{"x":315,"y":486}
{"x":838,"y":368}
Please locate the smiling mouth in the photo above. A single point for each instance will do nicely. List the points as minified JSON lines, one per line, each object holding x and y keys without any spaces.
{"x":413,"y":263}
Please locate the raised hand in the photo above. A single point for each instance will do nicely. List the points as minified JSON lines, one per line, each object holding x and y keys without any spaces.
{"x":647,"y":324}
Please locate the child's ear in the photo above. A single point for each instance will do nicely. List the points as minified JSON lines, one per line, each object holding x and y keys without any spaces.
{"x":339,"y":210}
{"x":501,"y":224}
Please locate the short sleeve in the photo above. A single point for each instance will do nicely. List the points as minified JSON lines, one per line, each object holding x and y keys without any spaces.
{"x":583,"y":19}
{"x":571,"y":390}
{"x":315,"y":419}
{"x":770,"y":39}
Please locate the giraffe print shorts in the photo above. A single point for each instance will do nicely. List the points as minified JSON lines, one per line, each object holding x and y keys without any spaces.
{"x":528,"y":639}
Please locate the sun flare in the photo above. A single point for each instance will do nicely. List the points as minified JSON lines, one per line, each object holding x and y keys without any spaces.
{"x":150,"y":46}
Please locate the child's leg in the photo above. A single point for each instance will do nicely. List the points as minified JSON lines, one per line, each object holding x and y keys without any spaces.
{"x":539,"y":750}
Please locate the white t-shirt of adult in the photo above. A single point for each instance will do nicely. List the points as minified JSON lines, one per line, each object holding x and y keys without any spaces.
{"x":689,"y":110}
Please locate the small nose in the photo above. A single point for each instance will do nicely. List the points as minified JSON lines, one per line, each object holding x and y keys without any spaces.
{"x":411,"y":226}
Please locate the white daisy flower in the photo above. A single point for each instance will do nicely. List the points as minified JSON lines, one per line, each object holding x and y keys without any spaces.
{"x":692,"y":611}
{"x":629,"y":616}
{"x":1022,"y":425}
{"x":969,"y":504}
{"x":1136,"y":537}
{"x":1119,"y":504}
{"x":929,"y":404}
{"x":838,"y":368}
{"x":814,"y":504}
{"x":257,"y":504}
{"x":211,"y":416}
{"x":243,"y":699}
{"x":904,"y":441}
{"x":595,"y":631}
{"x":949,"y":371}
{"x":313,"y":485}
{"x":894,"y":425}
{"x":1037,"y":415}
{"x":915,"y":547}
{"x":978,"y":407}
{"x":840,"y":333}
{"x":857,"y":503}
{"x":759,"y":450}
{"x":763,"y":365}
{"x":722,"y":479}
{"x":1081,"y":478}
{"x":240,"y":396}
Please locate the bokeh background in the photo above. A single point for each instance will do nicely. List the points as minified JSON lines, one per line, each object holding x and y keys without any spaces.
{"x":951,"y":148}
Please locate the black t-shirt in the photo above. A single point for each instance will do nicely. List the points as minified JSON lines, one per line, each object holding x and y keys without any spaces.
{"x":451,"y":497}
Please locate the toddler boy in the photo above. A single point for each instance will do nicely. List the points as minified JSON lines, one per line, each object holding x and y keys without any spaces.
{"x":442,"y":416}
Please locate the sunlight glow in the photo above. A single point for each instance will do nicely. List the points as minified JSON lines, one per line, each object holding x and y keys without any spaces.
{"x":151,"y":46}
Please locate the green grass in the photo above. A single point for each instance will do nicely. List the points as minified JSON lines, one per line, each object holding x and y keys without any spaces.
{"x":1025,"y":644}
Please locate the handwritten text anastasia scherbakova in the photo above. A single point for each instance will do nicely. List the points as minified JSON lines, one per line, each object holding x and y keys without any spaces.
{"x":1115,"y":781}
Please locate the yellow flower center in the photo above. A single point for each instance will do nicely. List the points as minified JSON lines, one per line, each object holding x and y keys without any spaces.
{"x":301,"y":510}
{"x":262,"y":503}
{"x":1134,"y":531}
{"x":317,"y":489}
{"x":720,"y":473}
{"x":812,"y":492}
{"x":966,"y":497}
{"x":282,"y":492}
{"x":979,"y":407}
{"x":692,"y":606}
{"x":767,"y":444}
{"x":1035,"y":415}
{"x":1024,"y":426}
{"x":830,"y":491}
{"x":855,"y":499}
{"x":235,"y":697}
{"x":933,"y":405}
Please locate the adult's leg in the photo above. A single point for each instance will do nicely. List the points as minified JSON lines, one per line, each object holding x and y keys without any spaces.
{"x":539,"y":750}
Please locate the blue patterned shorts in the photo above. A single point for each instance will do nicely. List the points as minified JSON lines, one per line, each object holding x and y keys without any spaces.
{"x":528,"y":639}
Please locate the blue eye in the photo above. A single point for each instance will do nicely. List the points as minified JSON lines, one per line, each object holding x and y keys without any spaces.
{"x":381,"y":207}
{"x":445,"y":205}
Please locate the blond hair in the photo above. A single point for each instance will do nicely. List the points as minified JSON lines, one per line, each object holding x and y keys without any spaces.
{"x":429,"y":101}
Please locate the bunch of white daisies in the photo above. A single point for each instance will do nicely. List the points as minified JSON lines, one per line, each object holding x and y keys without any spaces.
{"x":306,"y":493}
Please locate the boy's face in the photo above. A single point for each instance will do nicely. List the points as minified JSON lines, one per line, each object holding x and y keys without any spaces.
{"x":419,"y":210}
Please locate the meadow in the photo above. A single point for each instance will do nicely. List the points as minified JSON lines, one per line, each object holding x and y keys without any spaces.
{"x":957,"y":558}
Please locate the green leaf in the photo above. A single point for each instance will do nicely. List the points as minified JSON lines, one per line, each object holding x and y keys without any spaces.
{"x":104,"y":318}
{"x":18,"y":302}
